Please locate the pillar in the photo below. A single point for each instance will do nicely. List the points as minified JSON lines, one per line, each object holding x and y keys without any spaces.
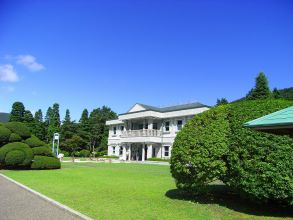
{"x":150,"y":151}
{"x":143,"y":152}
{"x":129,"y":148}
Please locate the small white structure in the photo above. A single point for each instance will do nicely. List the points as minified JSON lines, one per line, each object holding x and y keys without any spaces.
{"x":147,"y":131}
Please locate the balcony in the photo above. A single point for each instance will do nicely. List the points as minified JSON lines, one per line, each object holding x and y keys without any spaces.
{"x":142,"y":133}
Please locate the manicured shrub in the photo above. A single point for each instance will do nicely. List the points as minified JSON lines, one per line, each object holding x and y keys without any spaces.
{"x":14,"y":138}
{"x":158,"y":159}
{"x":84,"y":153}
{"x":43,"y":151}
{"x":18,"y":128}
{"x":33,"y":141}
{"x":199,"y":150}
{"x":43,"y":162}
{"x":22,"y":159}
{"x":259,"y":164}
{"x":215,"y":145}
{"x":15,"y":157}
{"x":4,"y":135}
{"x":110,"y":157}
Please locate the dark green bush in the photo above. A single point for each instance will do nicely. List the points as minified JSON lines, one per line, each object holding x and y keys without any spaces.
{"x":18,"y":128}
{"x":33,"y":141}
{"x":14,"y":138}
{"x":259,"y":164}
{"x":110,"y":157}
{"x":13,"y":158}
{"x":199,"y":150}
{"x":43,"y":162}
{"x":6,"y":155}
{"x":214,"y":144}
{"x":84,"y":153}
{"x":43,"y":151}
{"x":4,"y":135}
{"x":66,"y":153}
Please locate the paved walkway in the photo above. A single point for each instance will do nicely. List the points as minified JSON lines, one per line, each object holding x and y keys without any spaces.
{"x":17,"y":203}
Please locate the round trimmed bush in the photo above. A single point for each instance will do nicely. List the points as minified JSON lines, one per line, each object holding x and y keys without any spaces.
{"x":259,"y":163}
{"x":4,"y":135}
{"x":14,"y":138}
{"x":256,"y":163}
{"x":42,"y":151}
{"x":43,"y":162}
{"x":33,"y":141}
{"x":84,"y":153}
{"x":14,"y":157}
{"x":18,"y":128}
{"x":6,"y":151}
{"x":199,"y":150}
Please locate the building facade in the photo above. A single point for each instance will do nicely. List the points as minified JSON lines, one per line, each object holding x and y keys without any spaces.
{"x":148,"y":132}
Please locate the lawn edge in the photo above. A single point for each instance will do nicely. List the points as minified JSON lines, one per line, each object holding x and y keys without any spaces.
{"x":58,"y":204}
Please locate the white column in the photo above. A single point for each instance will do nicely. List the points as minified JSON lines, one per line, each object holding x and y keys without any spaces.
{"x":150,"y":151}
{"x":129,"y":157}
{"x":124,"y":152}
{"x":143,"y":152}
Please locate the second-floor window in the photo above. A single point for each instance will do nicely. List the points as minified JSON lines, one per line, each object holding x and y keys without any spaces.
{"x":167,"y":126}
{"x":155,"y":126}
{"x":114,"y":130}
{"x":179,"y":124}
{"x":146,"y":125}
{"x":122,"y":128}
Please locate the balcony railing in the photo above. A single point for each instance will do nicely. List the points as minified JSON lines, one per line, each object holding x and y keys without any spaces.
{"x":142,"y":133}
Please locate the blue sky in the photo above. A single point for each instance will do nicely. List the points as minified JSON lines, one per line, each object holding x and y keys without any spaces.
{"x":85,"y":54}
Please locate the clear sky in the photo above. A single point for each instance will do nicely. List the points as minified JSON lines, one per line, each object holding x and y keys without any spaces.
{"x":85,"y":54}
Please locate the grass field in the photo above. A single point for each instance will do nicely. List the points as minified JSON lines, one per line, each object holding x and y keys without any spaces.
{"x":136,"y":191}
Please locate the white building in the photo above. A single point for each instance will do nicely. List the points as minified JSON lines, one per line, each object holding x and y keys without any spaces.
{"x":146,"y":131}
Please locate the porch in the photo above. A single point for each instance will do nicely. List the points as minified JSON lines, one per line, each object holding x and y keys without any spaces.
{"x":143,"y":151}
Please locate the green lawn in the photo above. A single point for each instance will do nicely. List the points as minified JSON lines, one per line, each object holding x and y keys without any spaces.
{"x":135,"y":191}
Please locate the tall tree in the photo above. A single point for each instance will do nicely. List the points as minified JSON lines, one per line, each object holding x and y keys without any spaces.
{"x":17,"y":112}
{"x":261,"y":89}
{"x":39,"y":126}
{"x":276,"y":93}
{"x":84,"y":128}
{"x":68,"y":127}
{"x":56,"y":116}
{"x":98,"y":128}
{"x":222,"y":101}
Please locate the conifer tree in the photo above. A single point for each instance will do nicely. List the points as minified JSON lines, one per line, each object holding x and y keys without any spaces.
{"x":17,"y":112}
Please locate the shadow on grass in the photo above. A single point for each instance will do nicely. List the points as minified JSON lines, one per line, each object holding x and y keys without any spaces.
{"x":223,"y":196}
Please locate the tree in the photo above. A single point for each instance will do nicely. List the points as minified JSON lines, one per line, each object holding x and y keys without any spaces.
{"x":98,"y":128}
{"x":39,"y":127}
{"x":68,"y":127}
{"x":56,"y":116}
{"x":276,"y":93}
{"x":73,"y":144}
{"x":28,"y":120}
{"x":84,"y":127}
{"x":17,"y":112}
{"x":261,"y":89}
{"x":222,"y":101}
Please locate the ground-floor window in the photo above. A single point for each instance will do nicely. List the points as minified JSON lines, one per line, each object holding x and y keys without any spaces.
{"x":154,"y":152}
{"x":166,"y":151}
{"x":121,"y":151}
{"x":114,"y":150}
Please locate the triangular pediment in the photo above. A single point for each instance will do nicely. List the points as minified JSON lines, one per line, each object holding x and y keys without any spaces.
{"x":136,"y":108}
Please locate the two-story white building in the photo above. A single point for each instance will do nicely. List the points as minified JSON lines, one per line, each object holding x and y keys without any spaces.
{"x":147,"y":131}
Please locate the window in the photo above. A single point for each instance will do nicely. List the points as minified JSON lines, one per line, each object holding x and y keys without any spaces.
{"x":155,"y":126}
{"x":166,"y":151}
{"x":179,"y":125}
{"x":146,"y":125}
{"x":113,"y":150}
{"x":140,"y":126}
{"x":167,"y":126}
{"x":114,"y":130}
{"x":122,"y":128}
{"x":121,"y":151}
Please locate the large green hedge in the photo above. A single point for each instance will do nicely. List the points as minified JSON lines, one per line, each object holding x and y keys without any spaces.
{"x":198,"y":151}
{"x":259,"y":164}
{"x":42,"y":162}
{"x":215,"y":144}
{"x":43,"y":151}
{"x":15,"y":155}
{"x":33,"y":141}
{"x":4,"y":135}
{"x":18,"y":128}
{"x":14,"y":138}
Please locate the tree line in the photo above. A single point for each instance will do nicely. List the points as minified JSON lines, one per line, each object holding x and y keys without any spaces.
{"x":90,"y":133}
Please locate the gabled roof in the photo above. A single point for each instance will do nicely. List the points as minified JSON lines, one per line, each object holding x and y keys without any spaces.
{"x":4,"y":117}
{"x":283,"y":117}
{"x":166,"y":109}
